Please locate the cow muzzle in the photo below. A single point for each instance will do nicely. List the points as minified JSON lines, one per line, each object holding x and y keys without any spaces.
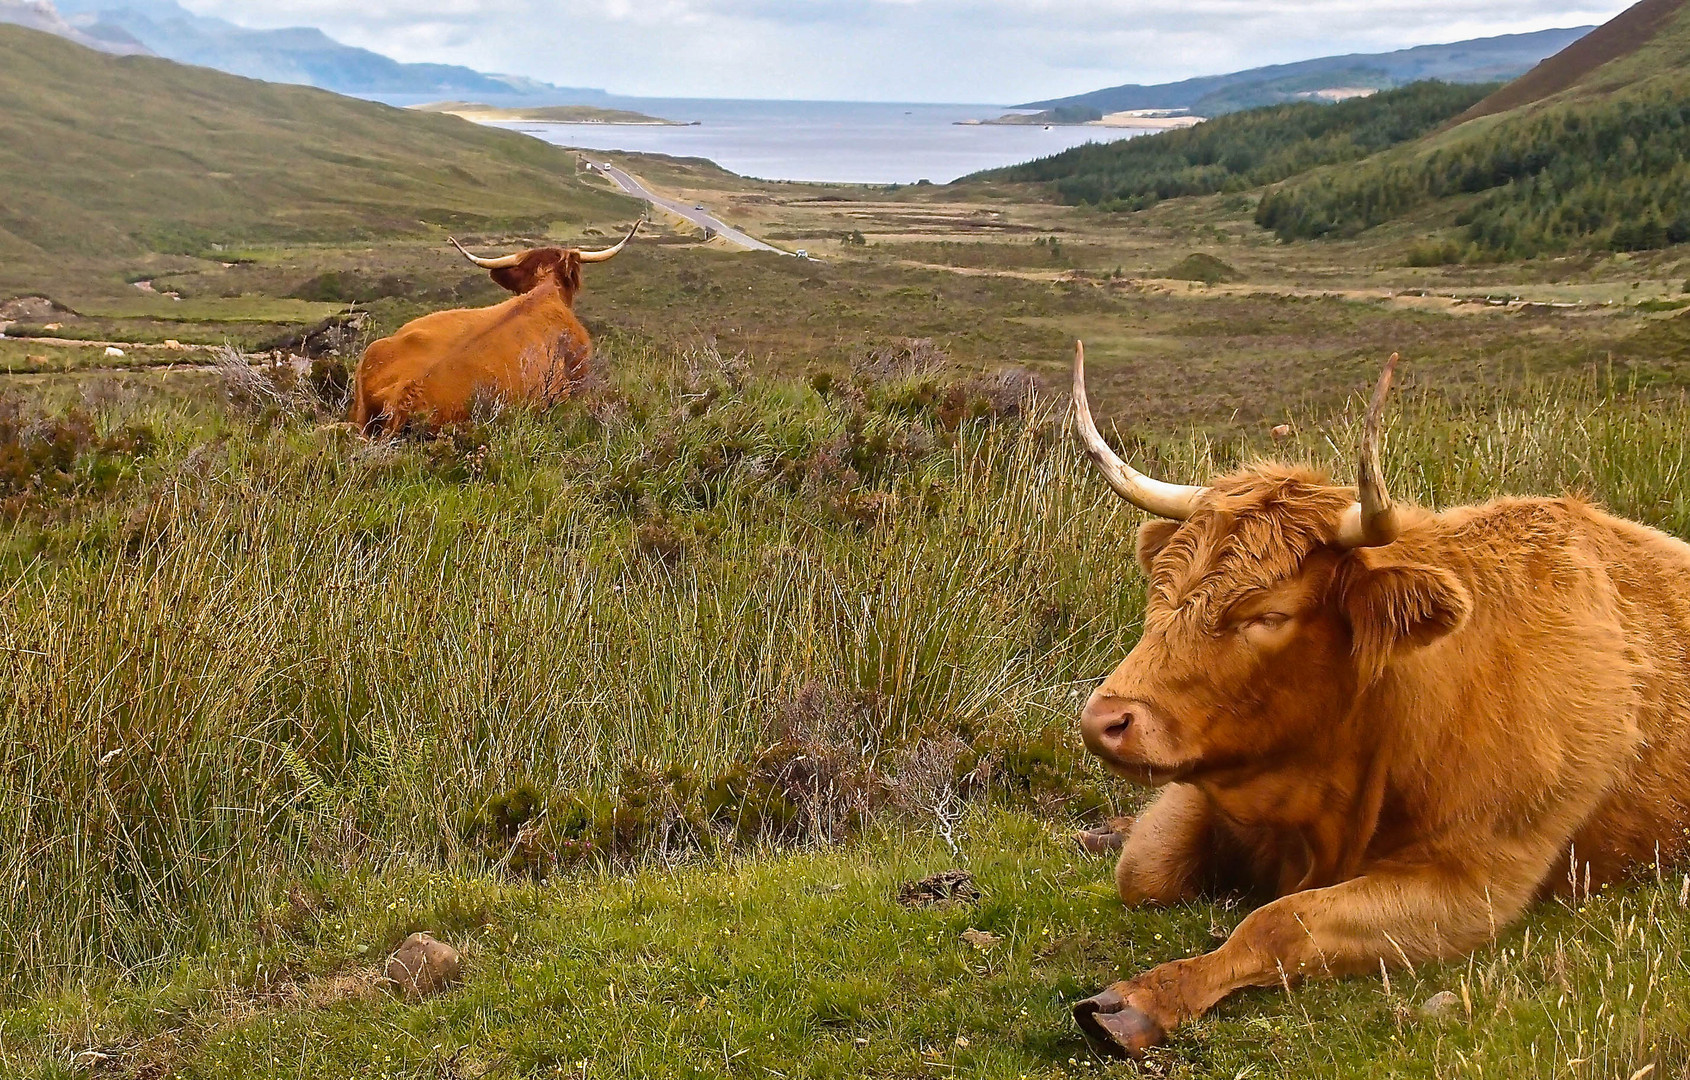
{"x":1126,"y":733}
{"x":1108,"y":721}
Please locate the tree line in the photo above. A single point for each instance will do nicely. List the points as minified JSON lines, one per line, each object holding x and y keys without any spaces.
{"x":1243,"y":150}
{"x":1608,"y":174}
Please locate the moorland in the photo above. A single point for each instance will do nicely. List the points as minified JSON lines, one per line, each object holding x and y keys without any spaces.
{"x":650,"y":702}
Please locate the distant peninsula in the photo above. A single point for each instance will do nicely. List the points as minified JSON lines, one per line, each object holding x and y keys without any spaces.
{"x":1145,"y":119}
{"x":543,"y":114}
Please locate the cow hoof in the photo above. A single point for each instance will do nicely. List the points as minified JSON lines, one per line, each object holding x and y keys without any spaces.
{"x":1100,"y":841}
{"x":1115,"y":1029}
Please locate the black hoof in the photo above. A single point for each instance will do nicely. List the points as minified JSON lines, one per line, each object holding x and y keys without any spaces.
{"x":1115,"y":1029}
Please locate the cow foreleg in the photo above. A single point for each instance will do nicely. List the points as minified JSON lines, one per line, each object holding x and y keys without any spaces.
{"x":1396,"y":917}
{"x":1166,"y":853}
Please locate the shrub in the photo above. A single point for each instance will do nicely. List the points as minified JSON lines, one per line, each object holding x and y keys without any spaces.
{"x":1199,"y":266}
{"x":48,"y":460}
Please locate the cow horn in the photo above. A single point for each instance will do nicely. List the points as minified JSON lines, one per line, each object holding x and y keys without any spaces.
{"x":610,"y":253}
{"x":1176,"y":501}
{"x":1373,"y":520}
{"x":501,"y":263}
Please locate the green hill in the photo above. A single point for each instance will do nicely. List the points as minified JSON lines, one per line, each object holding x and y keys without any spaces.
{"x":107,"y":158}
{"x":1242,"y":150}
{"x":1589,"y":150}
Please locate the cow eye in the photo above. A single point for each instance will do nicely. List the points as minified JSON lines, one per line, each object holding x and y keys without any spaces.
{"x":1270,"y":620}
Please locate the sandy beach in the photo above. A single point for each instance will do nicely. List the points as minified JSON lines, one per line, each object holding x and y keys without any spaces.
{"x":544,"y":114}
{"x":1146,"y":122}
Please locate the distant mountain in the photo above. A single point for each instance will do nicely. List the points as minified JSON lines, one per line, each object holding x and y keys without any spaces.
{"x":300,"y":55}
{"x":41,"y":15}
{"x":1482,"y":60}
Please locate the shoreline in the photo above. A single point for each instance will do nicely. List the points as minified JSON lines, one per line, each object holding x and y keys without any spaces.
{"x":1130,"y":121}
{"x":478,"y":113}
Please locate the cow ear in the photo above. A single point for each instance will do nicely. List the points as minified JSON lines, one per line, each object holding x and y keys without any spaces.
{"x":1396,"y":606}
{"x":517,"y":279}
{"x":1153,"y":536}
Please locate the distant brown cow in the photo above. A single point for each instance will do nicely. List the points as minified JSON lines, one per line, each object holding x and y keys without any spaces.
{"x":531,"y":346}
{"x":1399,"y":726}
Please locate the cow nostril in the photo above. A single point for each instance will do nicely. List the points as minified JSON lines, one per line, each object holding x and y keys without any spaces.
{"x":1107,"y":722}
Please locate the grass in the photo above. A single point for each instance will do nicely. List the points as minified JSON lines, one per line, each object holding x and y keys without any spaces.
{"x":803,"y":964}
{"x":271,"y":684}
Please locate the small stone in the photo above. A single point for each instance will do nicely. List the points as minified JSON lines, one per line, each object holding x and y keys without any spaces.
{"x":113,"y":352}
{"x":422,"y":966}
{"x":984,"y":940}
{"x":1439,"y":1006}
{"x":1282,"y":432}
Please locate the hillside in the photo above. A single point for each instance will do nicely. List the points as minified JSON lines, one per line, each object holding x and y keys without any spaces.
{"x":1481,"y":60}
{"x":104,"y":157}
{"x":1593,"y":155}
{"x":1242,"y":150}
{"x":1617,"y":38}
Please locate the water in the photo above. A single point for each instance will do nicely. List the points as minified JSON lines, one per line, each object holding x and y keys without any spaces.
{"x":842,"y":142}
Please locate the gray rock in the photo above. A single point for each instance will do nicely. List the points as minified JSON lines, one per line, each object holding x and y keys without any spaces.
{"x":1441,"y":1006}
{"x":422,"y":966}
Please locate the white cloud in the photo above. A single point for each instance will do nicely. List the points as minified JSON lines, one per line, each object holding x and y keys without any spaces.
{"x":895,"y":50}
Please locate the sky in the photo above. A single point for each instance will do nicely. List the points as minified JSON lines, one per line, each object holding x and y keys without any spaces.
{"x":973,"y":51}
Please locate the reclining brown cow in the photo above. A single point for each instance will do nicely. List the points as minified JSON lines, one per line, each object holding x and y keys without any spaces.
{"x":1400,"y":726}
{"x":529,"y":348}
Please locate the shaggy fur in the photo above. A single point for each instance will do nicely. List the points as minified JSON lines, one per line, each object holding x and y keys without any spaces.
{"x":1398,"y":748}
{"x":529,"y":347}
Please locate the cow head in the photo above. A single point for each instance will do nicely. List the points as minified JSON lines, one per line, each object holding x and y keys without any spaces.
{"x":1275,"y":599}
{"x":528,"y":270}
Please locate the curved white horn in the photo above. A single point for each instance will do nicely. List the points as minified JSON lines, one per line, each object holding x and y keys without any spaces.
{"x":610,"y":253}
{"x":1176,"y":501}
{"x":1373,"y":520}
{"x":500,"y":263}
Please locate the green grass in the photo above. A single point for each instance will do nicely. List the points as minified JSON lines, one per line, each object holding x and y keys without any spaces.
{"x":261,"y":686}
{"x":802,"y":964}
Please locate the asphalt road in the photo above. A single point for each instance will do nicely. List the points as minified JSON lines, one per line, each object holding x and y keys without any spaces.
{"x":682,"y":210}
